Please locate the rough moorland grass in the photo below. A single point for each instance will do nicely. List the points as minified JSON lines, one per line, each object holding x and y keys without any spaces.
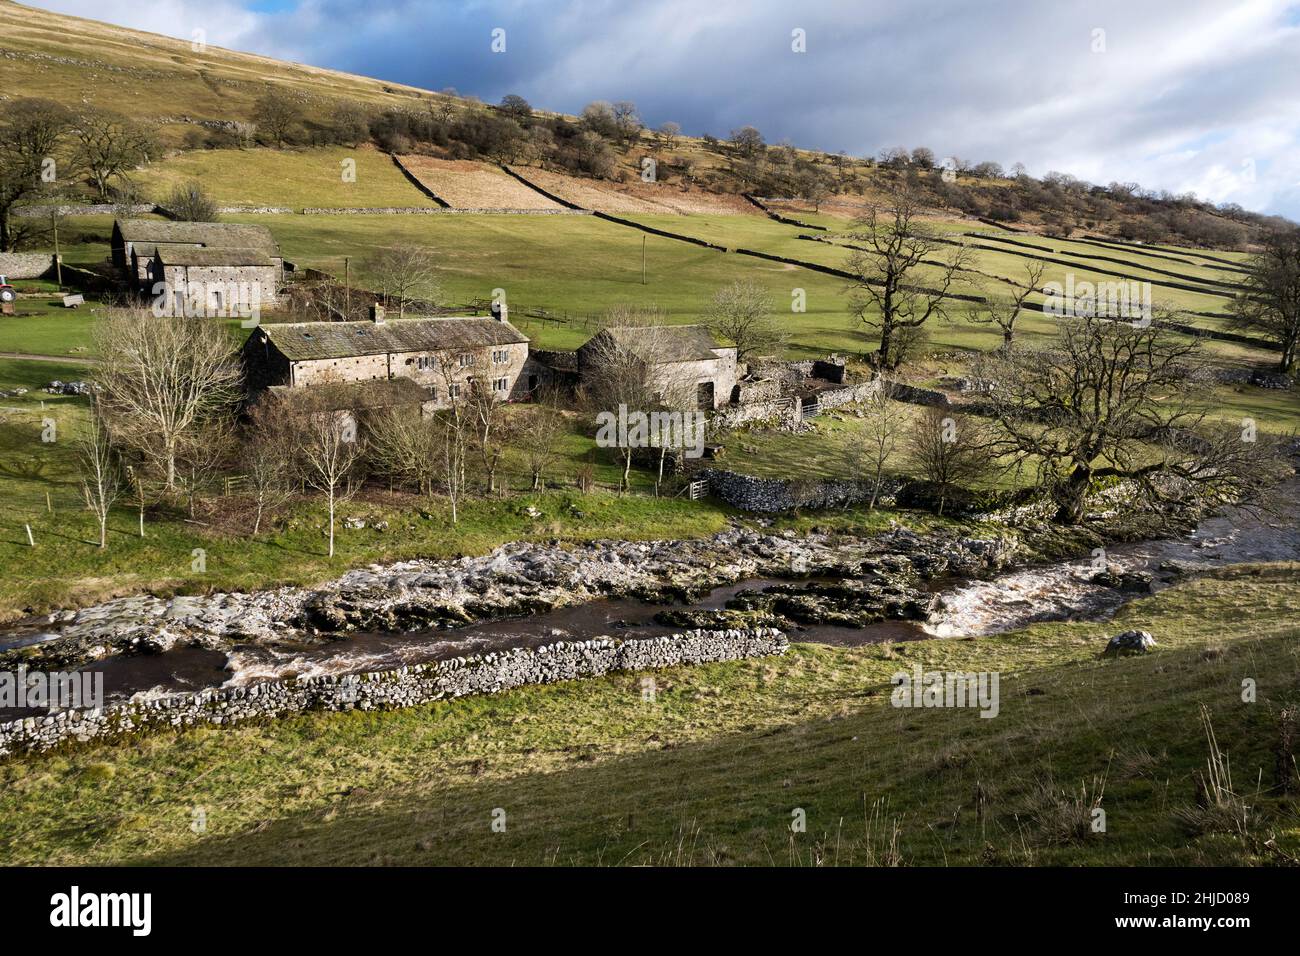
{"x":711,"y":771}
{"x":293,"y":178}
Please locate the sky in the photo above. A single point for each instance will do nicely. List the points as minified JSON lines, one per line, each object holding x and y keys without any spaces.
{"x":1195,"y":96}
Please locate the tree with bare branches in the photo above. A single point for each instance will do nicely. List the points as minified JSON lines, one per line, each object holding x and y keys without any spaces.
{"x":621,"y":375}
{"x":32,"y":133}
{"x":163,"y":380}
{"x":406,"y":274}
{"x":949,"y":450}
{"x":491,"y":427}
{"x":1004,"y":311}
{"x":1119,"y":400}
{"x":742,"y":314}
{"x":541,"y":428}
{"x":109,"y":146}
{"x":266,"y":459}
{"x":404,"y":444}
{"x":1270,"y":305}
{"x":883,"y":422}
{"x":890,"y":292}
{"x":100,"y":470}
{"x":328,"y":448}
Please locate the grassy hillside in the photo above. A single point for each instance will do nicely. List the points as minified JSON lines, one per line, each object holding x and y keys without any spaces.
{"x":84,"y":62}
{"x":712,"y":770}
{"x":292,"y":178}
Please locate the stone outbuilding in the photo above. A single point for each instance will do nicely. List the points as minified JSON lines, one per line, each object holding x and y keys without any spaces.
{"x":685,"y":357}
{"x":219,"y":253}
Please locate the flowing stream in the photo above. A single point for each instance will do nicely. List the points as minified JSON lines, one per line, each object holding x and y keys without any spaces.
{"x":964,"y":608}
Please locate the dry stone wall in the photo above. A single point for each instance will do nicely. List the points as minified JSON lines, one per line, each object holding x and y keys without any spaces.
{"x":379,"y":690}
{"x":25,"y":265}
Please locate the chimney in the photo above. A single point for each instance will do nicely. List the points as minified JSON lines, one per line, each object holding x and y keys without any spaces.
{"x":377,"y":314}
{"x":500,"y":312}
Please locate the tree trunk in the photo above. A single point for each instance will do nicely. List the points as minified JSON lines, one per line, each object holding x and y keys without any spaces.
{"x":257,"y":521}
{"x":103,"y":531}
{"x":1071,"y":497}
{"x":886,"y":340}
{"x":331,"y":496}
{"x":5,"y":238}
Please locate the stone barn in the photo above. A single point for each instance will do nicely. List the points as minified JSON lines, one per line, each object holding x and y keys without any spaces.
{"x":137,"y":244}
{"x":678,"y":356}
{"x":441,"y":355}
{"x":215,"y":281}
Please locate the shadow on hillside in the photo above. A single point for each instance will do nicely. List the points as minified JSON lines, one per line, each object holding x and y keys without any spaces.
{"x":730,"y":800}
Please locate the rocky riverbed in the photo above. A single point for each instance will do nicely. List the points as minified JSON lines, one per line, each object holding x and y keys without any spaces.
{"x":879,"y":576}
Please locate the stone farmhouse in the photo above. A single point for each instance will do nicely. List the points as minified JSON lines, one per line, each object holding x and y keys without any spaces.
{"x":220,"y":267}
{"x":685,"y":357}
{"x":440,"y":355}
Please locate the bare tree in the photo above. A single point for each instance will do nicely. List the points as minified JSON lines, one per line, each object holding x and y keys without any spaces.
{"x":108,"y":146}
{"x":742,"y":314}
{"x":886,"y":295}
{"x":190,"y":202}
{"x":1270,"y":305}
{"x":949,"y":450}
{"x":667,"y":134}
{"x":32,"y":132}
{"x":266,"y":459}
{"x":621,"y":375}
{"x":101,"y":474}
{"x":328,"y":448}
{"x":541,"y":428}
{"x":626,"y":121}
{"x":1003,"y":312}
{"x":407,"y":274}
{"x":203,"y":456}
{"x":404,"y":444}
{"x":491,"y":427}
{"x":883,"y":421}
{"x":453,"y":431}
{"x":1119,"y":400}
{"x":746,"y":141}
{"x":163,"y":379}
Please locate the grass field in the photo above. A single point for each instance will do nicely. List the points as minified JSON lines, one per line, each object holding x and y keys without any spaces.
{"x":292,"y":178}
{"x":712,"y":771}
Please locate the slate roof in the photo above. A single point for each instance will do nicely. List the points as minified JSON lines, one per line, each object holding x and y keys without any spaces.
{"x":660,"y":343}
{"x":222,"y":235}
{"x":302,"y":341}
{"x":195,"y":256}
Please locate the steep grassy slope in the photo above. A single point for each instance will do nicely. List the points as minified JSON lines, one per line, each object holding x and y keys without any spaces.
{"x":77,"y":61}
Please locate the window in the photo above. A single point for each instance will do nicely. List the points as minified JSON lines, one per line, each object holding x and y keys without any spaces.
{"x":454,"y":390}
{"x":466,"y":360}
{"x":501,"y":385}
{"x":500,"y":356}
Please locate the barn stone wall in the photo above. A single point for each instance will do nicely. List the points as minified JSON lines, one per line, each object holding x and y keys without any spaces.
{"x":25,"y":265}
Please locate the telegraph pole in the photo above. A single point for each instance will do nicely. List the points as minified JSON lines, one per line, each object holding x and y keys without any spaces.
{"x":643,"y":239}
{"x":58,"y":260}
{"x":347,"y":287}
